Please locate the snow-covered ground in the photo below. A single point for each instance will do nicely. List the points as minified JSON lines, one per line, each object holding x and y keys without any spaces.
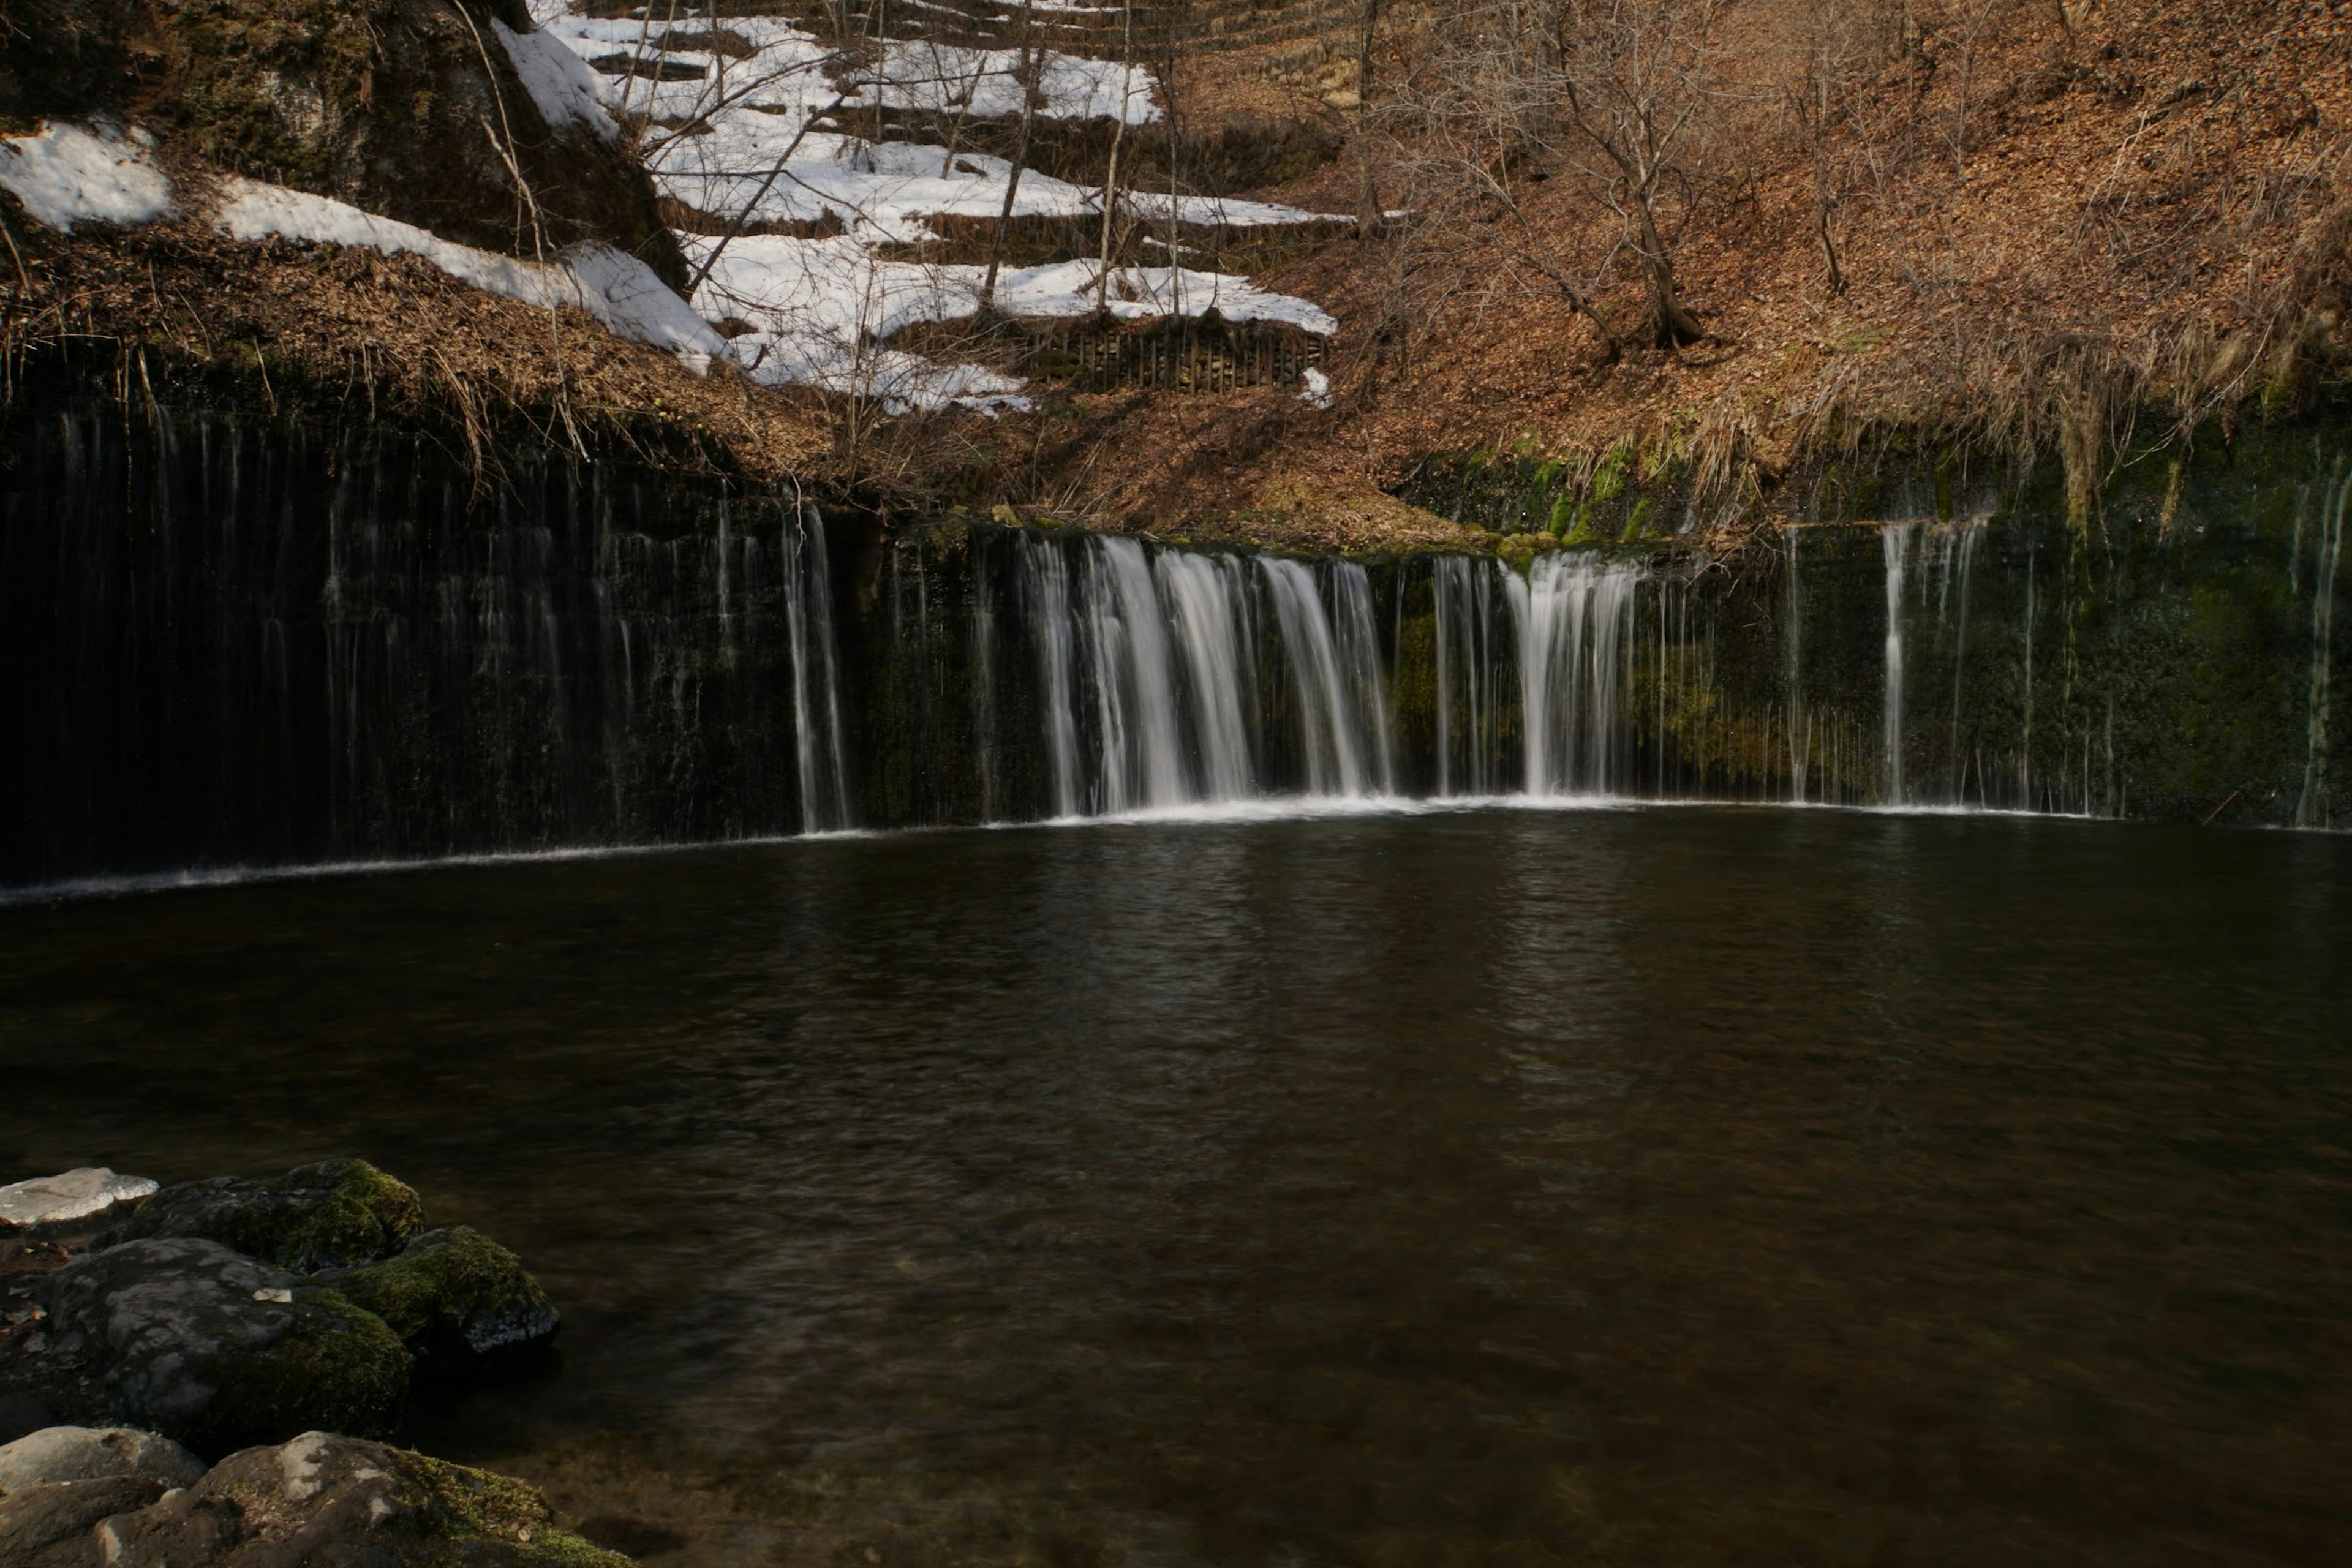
{"x":764,"y":138}
{"x":760,"y":137}
{"x":68,"y":174}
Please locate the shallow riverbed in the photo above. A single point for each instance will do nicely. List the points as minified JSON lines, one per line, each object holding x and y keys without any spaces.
{"x":1644,"y":1185}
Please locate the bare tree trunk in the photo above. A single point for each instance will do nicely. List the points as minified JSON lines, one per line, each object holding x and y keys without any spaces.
{"x":1027,"y":76}
{"x":1676,"y":325}
{"x":1110,"y":176}
{"x":1367,"y":192}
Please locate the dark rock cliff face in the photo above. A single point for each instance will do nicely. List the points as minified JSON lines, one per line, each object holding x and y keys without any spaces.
{"x":232,"y":641}
{"x":412,"y":108}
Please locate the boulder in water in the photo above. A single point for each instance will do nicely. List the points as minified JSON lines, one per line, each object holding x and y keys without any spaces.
{"x":334,"y":1214}
{"x":215,"y":1350}
{"x":452,"y":1292}
{"x":59,"y":1454}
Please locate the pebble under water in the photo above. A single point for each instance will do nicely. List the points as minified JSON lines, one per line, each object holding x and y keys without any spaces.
{"x":1622,"y":1186}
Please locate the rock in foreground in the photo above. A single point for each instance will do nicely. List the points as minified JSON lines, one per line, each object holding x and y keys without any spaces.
{"x":332,"y":1214}
{"x":320,"y":1501}
{"x":83,"y":1195}
{"x":59,"y":1453}
{"x":215,"y":1350}
{"x":452,"y":1292}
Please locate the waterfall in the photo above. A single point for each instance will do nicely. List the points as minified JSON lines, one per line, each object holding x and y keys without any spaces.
{"x":1046,"y":595}
{"x":1573,"y":624}
{"x":1126,"y":632}
{"x":1962,"y":541}
{"x":1895,"y":542}
{"x":1468,"y":743}
{"x":1793,"y":679}
{"x":1359,"y":648}
{"x":817,"y":682}
{"x":1149,"y":663}
{"x":1329,"y":730}
{"x":242,"y":644}
{"x":2311,"y":809}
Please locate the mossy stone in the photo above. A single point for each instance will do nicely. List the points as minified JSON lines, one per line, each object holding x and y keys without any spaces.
{"x":453,"y":1290}
{"x":322,"y":1497}
{"x":333,"y":1214}
{"x":219,"y":1350}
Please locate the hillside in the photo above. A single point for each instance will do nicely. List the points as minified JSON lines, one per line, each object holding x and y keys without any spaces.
{"x":1701,"y":243}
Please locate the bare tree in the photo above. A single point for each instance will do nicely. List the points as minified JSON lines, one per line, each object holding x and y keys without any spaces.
{"x":1367,"y":192}
{"x":1025,"y":74}
{"x":1640,"y":85}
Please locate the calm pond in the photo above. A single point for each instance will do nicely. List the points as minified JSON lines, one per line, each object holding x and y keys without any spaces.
{"x":1485,"y":1187}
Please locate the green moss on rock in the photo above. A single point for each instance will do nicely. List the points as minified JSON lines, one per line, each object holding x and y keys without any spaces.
{"x":336,"y":1212}
{"x":453,"y":1288}
{"x":337,"y":1368}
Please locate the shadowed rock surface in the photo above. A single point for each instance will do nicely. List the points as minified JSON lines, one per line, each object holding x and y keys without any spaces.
{"x":333,"y":1214}
{"x":210,"y":1348}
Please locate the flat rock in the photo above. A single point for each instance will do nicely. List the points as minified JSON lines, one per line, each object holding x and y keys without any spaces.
{"x":452,"y":1292}
{"x":48,"y":1202}
{"x":334,"y":1214}
{"x":93,"y":1453}
{"x":325,"y":1501}
{"x":216,"y":1350}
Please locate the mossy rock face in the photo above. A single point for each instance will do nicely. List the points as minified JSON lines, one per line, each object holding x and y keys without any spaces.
{"x":57,"y":57}
{"x":323,"y":1498}
{"x":218,"y":1351}
{"x":334,"y":1214}
{"x":453,"y":1292}
{"x":390,"y":105}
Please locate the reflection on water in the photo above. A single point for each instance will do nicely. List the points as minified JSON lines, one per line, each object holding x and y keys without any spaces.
{"x":1492,"y":1187}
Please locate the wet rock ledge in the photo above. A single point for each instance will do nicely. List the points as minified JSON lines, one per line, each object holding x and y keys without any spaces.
{"x":202,"y":1376}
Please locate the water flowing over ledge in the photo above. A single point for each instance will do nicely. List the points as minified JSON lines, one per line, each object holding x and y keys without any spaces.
{"x":258,"y":645}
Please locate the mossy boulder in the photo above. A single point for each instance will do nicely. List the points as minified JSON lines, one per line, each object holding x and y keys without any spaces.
{"x":217,"y":1351}
{"x":452,"y":1292}
{"x":326,"y":1500}
{"x":334,"y":1214}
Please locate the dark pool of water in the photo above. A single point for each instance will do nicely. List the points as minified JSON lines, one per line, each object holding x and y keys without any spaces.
{"x":1672,"y":1185}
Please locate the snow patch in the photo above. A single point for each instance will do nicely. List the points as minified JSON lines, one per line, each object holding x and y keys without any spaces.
{"x":65,"y":174}
{"x":558,"y":80}
{"x":1317,"y":393}
{"x":615,"y":288}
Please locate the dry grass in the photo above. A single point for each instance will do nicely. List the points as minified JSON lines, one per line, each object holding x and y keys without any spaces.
{"x":308,"y":329}
{"x":2120,"y":222}
{"x":2121,"y":230}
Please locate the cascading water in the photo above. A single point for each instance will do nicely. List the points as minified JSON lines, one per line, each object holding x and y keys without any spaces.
{"x":228,"y":644}
{"x":1046,"y":594}
{"x":1357,"y":644}
{"x":1331,"y":730}
{"x":1207,"y":598}
{"x":2310,"y":808}
{"x":1469,"y":721}
{"x":1126,"y":635}
{"x":817,"y":683}
{"x":1150,"y":672}
{"x":1574,"y":617}
{"x":1895,"y":544}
